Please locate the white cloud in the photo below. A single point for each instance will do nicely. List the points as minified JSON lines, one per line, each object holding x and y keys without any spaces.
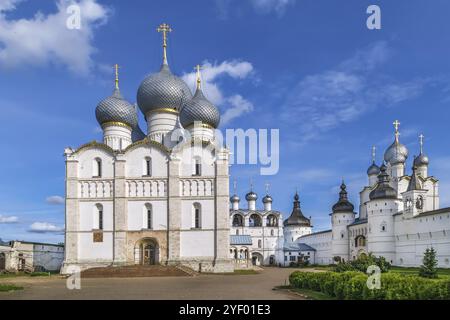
{"x":45,"y":227}
{"x":267,"y":6}
{"x":8,"y":219}
{"x":340,"y":95}
{"x":260,"y":6}
{"x":57,"y":200}
{"x":239,"y":106}
{"x":44,"y":39}
{"x":211,"y":74}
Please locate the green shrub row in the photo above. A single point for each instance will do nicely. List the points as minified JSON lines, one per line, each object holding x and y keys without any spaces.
{"x":362,"y":263}
{"x":352,"y":285}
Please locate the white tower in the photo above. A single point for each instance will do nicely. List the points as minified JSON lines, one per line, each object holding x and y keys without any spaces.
{"x":343,"y":215}
{"x":383,"y":204}
{"x":297,"y":224}
{"x":414,"y":198}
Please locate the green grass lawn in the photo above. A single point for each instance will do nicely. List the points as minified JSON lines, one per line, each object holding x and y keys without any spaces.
{"x":9,"y":287}
{"x":23,"y":274}
{"x":415,"y":271}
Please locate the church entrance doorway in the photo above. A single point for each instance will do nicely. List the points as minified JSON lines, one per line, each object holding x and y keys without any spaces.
{"x":2,"y":261}
{"x":147,"y":252}
{"x":257,"y":259}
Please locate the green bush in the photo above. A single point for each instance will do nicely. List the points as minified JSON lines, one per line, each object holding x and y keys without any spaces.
{"x":362,"y":263}
{"x":353,"y":286}
{"x":429,"y":267}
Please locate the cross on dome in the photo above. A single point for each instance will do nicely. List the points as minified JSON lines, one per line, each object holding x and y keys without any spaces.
{"x":165,"y":29}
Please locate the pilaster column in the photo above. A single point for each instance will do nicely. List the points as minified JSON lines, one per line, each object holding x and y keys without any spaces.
{"x":72,"y":215}
{"x":222,"y":225}
{"x":120,"y":212}
{"x":174,"y":210}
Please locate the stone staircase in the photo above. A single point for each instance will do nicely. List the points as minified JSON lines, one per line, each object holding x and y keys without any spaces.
{"x":137,"y":271}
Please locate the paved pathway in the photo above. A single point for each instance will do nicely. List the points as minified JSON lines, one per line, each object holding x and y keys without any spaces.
{"x":214,"y":287}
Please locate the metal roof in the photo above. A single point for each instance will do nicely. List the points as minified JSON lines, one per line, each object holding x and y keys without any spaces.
{"x":242,"y":239}
{"x":298,"y":247}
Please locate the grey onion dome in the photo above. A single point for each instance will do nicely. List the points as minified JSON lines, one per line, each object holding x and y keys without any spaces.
{"x":297,"y":218}
{"x":162,"y":90}
{"x":267,"y":199}
{"x":383,"y":189}
{"x":421,"y":160}
{"x":199,"y":109}
{"x":251,"y":196}
{"x":396,"y":153}
{"x":137,"y":134}
{"x":235,"y":198}
{"x":373,"y":169}
{"x":116,"y":109}
{"x":343,"y":205}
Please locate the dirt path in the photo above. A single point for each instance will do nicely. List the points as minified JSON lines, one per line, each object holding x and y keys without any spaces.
{"x":259,"y":287}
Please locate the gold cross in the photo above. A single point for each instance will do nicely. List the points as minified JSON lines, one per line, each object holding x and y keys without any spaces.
{"x":116,"y":69}
{"x":164,"y":28}
{"x":199,"y":79}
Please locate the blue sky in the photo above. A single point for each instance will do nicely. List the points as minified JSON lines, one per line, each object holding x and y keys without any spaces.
{"x":309,"y":68}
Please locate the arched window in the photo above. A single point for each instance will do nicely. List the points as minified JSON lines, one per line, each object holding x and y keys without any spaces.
{"x":360,"y":241}
{"x":272,"y":232}
{"x":237,"y":232}
{"x":97,"y":168}
{"x":98,"y":217}
{"x":197,"y":167}
{"x":147,"y":166}
{"x":197,"y":223}
{"x":238,"y":220}
{"x":272,"y":221}
{"x":259,"y":243}
{"x":383,"y":227}
{"x":255,"y":220}
{"x":148,"y":217}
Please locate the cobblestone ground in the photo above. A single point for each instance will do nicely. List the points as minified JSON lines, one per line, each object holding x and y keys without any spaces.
{"x":255,"y":286}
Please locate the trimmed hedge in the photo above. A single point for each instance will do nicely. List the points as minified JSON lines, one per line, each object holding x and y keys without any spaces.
{"x":352,"y":285}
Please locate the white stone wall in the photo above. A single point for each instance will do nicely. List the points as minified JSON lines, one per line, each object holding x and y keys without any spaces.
{"x":320,"y":241}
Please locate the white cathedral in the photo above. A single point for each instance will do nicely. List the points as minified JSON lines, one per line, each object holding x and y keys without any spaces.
{"x":163,"y":197}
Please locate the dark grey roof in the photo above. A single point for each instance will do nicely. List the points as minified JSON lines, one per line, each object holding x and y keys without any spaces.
{"x":240,"y":240}
{"x":358,"y":221}
{"x":383,"y":190}
{"x":430,"y":213}
{"x":199,"y":109}
{"x":298,"y":247}
{"x":316,"y":233}
{"x":414,"y":183}
{"x":297,"y":218}
{"x":116,"y":109}
{"x":162,"y":90}
{"x":343,"y":205}
{"x":235,"y":198}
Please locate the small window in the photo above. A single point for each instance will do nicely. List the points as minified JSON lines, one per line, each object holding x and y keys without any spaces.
{"x":98,"y":219}
{"x":197,"y":168}
{"x":148,"y":167}
{"x":259,"y":243}
{"x":148,"y":217}
{"x":97,"y":170}
{"x":197,"y":216}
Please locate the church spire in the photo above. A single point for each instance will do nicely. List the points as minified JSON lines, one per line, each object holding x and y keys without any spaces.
{"x":116,"y":69}
{"x":198,"y":77}
{"x":421,"y":136}
{"x":374,"y":150}
{"x":397,"y":132}
{"x":165,"y":29}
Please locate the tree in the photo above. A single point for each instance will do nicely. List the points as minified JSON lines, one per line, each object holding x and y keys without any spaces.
{"x":428,"y":268}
